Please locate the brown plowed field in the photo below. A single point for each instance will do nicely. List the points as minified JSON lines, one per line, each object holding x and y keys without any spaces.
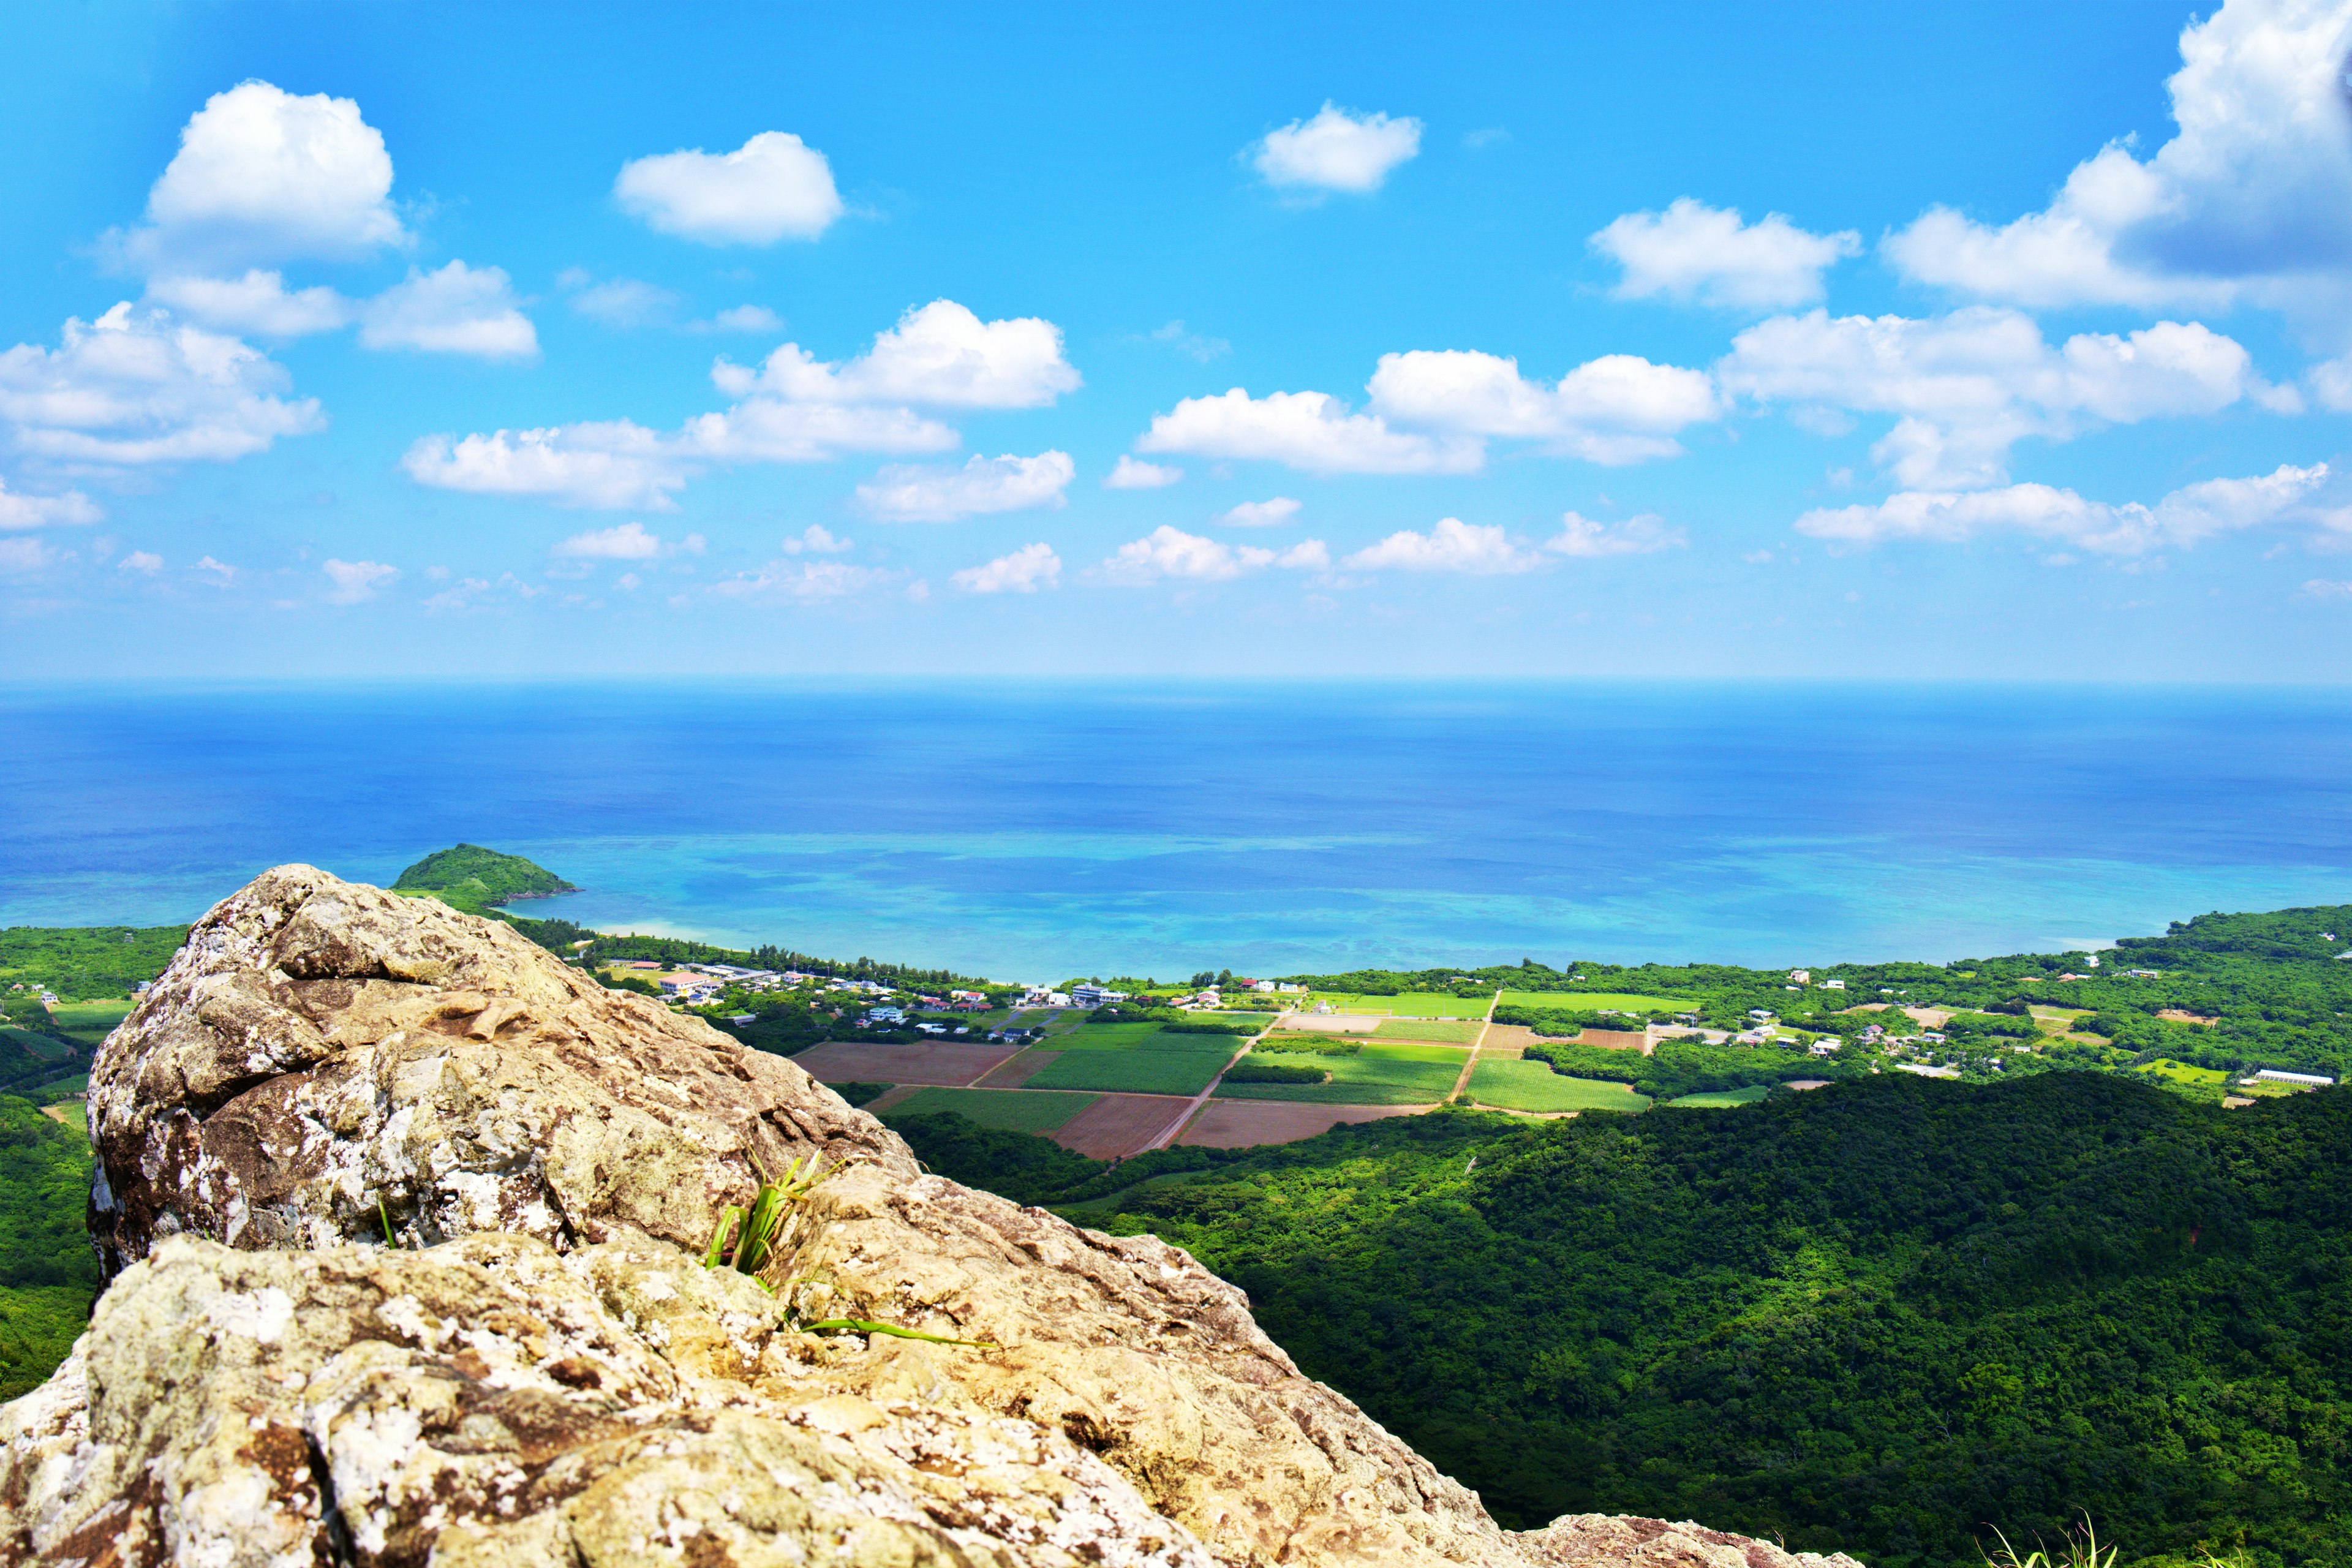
{"x":850,"y":1062}
{"x":1247,"y":1123}
{"x":1118,"y":1125}
{"x":1334,"y":1023}
{"x":1016,"y":1072}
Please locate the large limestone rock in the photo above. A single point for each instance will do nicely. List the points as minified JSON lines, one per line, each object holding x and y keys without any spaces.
{"x":541,"y":1370}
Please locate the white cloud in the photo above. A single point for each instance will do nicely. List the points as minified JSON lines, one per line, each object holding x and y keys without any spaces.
{"x":2180,"y":520}
{"x":20,"y":510}
{"x":1311,"y":431}
{"x":1969,"y":385}
{"x":1693,"y":251}
{"x":1271,"y":513}
{"x":626,"y":542}
{"x":1582,"y":538}
{"x":20,"y":555}
{"x":1172,"y":553}
{"x":806,"y":581}
{"x":257,"y":302}
{"x":357,"y":580}
{"x":220,"y":571}
{"x":2252,"y":197}
{"x":764,"y":429}
{"x":817,"y":540}
{"x":1619,"y":408}
{"x":610,"y":464}
{"x":1133,"y":474}
{"x":264,"y":175}
{"x":624,"y":301}
{"x":1452,"y":546}
{"x":459,"y":309}
{"x":774,"y":187}
{"x":141,"y":561}
{"x":2321,"y":588}
{"x":1192,"y":345}
{"x":743,"y":318}
{"x":134,"y":387}
{"x":1335,"y":151}
{"x":481,"y":593}
{"x":901,"y":493}
{"x":1026,"y":570}
{"x":941,"y":354}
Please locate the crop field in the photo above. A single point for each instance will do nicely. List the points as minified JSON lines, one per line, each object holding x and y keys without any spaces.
{"x":100,"y":1015}
{"x":1594,"y":1001}
{"x":1337,"y":1093}
{"x":1721,"y":1098}
{"x":1381,"y":1074}
{"x":1253,"y":1124}
{"x":1410,"y":1004}
{"x":1533,"y":1085}
{"x":878,"y":1061}
{"x":1131,"y":1071}
{"x":1011,"y":1109}
{"x":1145,"y":1038}
{"x":1452,"y":1031}
{"x":43,"y":1048}
{"x":2183,"y":1073}
{"x":1118,"y":1125}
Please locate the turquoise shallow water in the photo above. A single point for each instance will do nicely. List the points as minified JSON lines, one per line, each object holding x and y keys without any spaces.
{"x":1032,"y":832}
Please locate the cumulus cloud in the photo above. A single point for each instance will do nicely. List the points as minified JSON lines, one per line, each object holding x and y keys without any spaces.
{"x":907,"y":493}
{"x":817,"y":540}
{"x":1967,"y":387}
{"x":263,"y":175}
{"x":354,"y":581}
{"x":1170,"y":553}
{"x":2250,"y":198}
{"x":2180,"y":520}
{"x":1271,"y":513}
{"x":145,"y":562}
{"x":942,"y":354}
{"x":1452,"y":546}
{"x":620,"y":301}
{"x":19,"y":510}
{"x":743,"y":318}
{"x":457,"y":309}
{"x":1335,"y":151}
{"x":610,"y":464}
{"x":1616,"y":409}
{"x":627,"y":541}
{"x":220,"y":573}
{"x":1026,"y":570}
{"x":1310,"y":431}
{"x":135,"y":388}
{"x":24,"y":555}
{"x":257,"y":302}
{"x":1582,"y":538}
{"x":1695,"y":252}
{"x":1192,"y":345}
{"x":775,"y":187}
{"x":805,"y":582}
{"x":1134,"y":474}
{"x":2321,"y":588}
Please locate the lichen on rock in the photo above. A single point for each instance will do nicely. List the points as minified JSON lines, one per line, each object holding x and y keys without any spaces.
{"x":541,"y":1370}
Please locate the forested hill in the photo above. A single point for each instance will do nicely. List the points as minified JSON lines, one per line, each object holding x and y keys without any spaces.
{"x":470,"y":877}
{"x":1882,"y":1317}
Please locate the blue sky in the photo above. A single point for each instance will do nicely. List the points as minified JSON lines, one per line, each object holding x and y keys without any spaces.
{"x":371,"y":339}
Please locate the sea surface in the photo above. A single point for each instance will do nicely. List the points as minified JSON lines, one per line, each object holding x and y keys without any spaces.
{"x":1042,"y":831}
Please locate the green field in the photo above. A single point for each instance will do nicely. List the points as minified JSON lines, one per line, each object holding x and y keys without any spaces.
{"x":1009,"y":1110}
{"x":1594,"y":1001}
{"x":1401,"y":1074}
{"x":1146,"y":1037}
{"x":1456,"y":1031}
{"x":1516,"y":1085}
{"x":100,"y":1015}
{"x":43,"y":1048}
{"x":1131,"y":1071}
{"x":77,"y":1116}
{"x":1721,"y":1098}
{"x":1410,"y":1004}
{"x":2182,"y":1072}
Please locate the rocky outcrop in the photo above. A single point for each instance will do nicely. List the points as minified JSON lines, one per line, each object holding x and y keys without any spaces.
{"x":538,"y":1369}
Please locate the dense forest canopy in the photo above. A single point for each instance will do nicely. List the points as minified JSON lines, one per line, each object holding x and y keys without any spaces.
{"x":1884,"y":1317}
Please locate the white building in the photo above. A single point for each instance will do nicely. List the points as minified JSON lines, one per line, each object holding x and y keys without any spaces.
{"x":2301,"y":1080}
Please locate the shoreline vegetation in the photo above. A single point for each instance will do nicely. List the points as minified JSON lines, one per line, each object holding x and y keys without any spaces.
{"x":1692,"y":1240}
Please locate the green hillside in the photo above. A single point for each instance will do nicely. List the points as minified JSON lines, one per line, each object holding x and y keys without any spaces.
{"x":470,"y":877}
{"x":47,"y":1274}
{"x":1876,"y":1317}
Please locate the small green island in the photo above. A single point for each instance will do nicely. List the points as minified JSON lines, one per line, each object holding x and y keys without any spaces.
{"x":469,"y":878}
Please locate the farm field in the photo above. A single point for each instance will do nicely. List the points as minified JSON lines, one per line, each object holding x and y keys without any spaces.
{"x":2181,"y":1072}
{"x":43,"y":1048}
{"x":1249,"y":1124}
{"x":1593,"y":1001}
{"x":1130,"y":1071}
{"x":1721,"y":1098}
{"x":1146,"y":1037}
{"x":1019,"y":1070}
{"x":1334,"y":1023}
{"x":856,"y":1061}
{"x":1118,"y":1125}
{"x":1011,"y":1109}
{"x":1450,"y":1031}
{"x":1340,"y":1093}
{"x":1533,"y":1085}
{"x":1410,"y":1005}
{"x":1379,"y":1074}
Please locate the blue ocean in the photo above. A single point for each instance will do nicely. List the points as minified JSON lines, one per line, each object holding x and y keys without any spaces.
{"x":1032,"y":832}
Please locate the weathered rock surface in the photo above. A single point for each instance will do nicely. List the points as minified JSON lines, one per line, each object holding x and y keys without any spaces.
{"x":542,"y":1372}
